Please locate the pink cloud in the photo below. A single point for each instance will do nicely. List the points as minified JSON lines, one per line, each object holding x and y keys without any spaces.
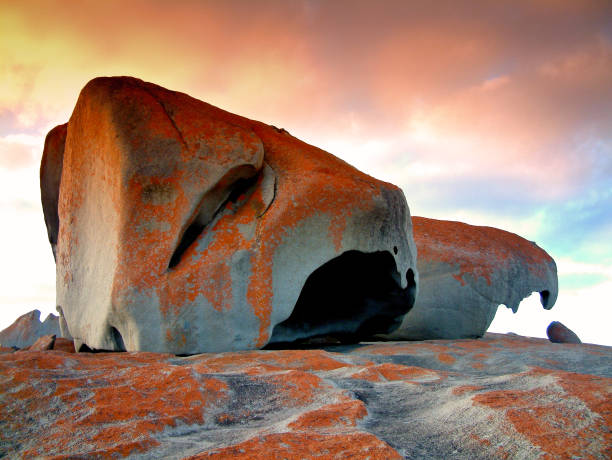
{"x":504,"y":86}
{"x":17,"y":151}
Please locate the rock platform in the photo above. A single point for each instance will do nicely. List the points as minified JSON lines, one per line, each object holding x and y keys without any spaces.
{"x":502,"y":396}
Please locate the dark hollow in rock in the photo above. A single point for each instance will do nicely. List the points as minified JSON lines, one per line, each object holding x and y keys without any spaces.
{"x":118,"y":339}
{"x":241,"y":189}
{"x":351,"y":297}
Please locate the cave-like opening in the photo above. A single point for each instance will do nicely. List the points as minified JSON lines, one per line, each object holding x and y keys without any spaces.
{"x":350,"y":298}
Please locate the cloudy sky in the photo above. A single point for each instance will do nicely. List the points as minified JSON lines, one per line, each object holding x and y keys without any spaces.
{"x":490,"y":112}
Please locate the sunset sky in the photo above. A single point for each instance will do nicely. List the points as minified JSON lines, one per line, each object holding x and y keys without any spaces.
{"x":489,"y":112}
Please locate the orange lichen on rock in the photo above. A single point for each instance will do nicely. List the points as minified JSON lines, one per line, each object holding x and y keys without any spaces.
{"x":281,"y":446}
{"x":466,"y":272}
{"x":331,"y":416}
{"x":350,"y":403}
{"x":564,"y":419}
{"x":477,"y":251}
{"x":110,"y":401}
{"x":300,"y":387}
{"x":461,"y":390}
{"x":212,"y":223}
{"x":63,"y":344}
{"x":393,"y":372}
{"x":471,"y":344}
{"x":43,"y":343}
{"x":302,"y":360}
{"x":446,"y":358}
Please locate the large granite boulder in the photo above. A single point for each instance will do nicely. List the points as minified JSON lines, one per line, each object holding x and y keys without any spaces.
{"x":28,"y":328}
{"x":466,"y":272}
{"x":184,"y":228}
{"x":496,"y":397}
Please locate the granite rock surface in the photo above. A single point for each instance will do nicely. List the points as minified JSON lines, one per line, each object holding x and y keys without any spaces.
{"x":179,"y":227}
{"x":558,"y":332}
{"x":28,"y":328}
{"x":466,"y":272}
{"x":502,"y":396}
{"x":50,"y":178}
{"x":46,"y":342}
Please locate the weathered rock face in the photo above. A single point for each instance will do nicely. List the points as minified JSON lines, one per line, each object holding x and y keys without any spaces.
{"x":27,"y":329}
{"x":184,"y":228}
{"x":63,"y":344}
{"x":466,"y":272}
{"x":559,"y":333}
{"x":497,"y":397}
{"x":50,"y":178}
{"x":46,"y":342}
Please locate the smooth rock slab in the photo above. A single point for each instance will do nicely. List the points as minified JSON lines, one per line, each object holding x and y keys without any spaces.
{"x":28,"y":328}
{"x":466,"y":272}
{"x":46,"y":342}
{"x":496,"y":397}
{"x":64,"y":344}
{"x":183,"y":228}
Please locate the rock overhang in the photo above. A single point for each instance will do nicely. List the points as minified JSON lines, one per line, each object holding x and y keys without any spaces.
{"x":466,"y":272}
{"x":185,"y":228}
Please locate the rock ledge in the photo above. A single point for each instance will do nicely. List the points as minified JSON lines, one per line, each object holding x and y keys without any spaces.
{"x":498,"y":397}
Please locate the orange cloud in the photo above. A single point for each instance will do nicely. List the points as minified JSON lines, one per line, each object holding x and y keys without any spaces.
{"x":506,"y":88}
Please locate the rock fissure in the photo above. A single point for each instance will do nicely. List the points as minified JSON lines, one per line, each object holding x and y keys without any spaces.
{"x":167,"y":113}
{"x":199,"y":224}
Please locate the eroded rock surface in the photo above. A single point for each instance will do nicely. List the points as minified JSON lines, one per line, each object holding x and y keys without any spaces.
{"x":466,"y":272}
{"x":496,"y":397}
{"x":46,"y":342}
{"x":50,"y":178}
{"x":28,"y":328}
{"x":184,"y":228}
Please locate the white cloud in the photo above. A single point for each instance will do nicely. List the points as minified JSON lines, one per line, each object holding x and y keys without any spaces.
{"x":27,"y":270}
{"x":567,"y":266}
{"x":586,"y":311}
{"x":494,"y":83}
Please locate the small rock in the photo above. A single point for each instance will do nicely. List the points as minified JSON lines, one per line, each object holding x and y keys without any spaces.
{"x":559,"y":333}
{"x":45,"y":342}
